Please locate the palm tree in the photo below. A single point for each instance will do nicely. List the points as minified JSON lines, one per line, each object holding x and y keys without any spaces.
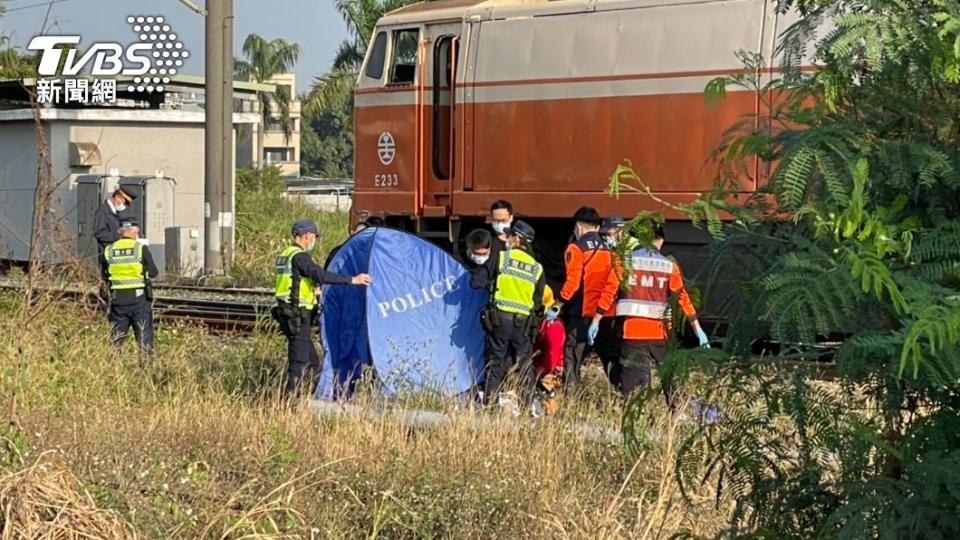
{"x":264,"y":60}
{"x":335,"y":87}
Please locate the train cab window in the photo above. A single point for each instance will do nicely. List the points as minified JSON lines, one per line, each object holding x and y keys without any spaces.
{"x":377,"y":57}
{"x":405,"y":45}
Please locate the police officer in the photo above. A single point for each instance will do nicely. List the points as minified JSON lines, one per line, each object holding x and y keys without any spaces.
{"x":516,"y":281}
{"x":297,"y":278}
{"x":129,"y":266}
{"x":642,"y":315}
{"x":106,"y":221}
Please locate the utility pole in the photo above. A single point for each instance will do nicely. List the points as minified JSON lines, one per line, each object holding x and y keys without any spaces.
{"x":218,"y":138}
{"x":227,"y":185}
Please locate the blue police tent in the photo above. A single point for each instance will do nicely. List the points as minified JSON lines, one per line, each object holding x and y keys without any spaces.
{"x":417,"y":325}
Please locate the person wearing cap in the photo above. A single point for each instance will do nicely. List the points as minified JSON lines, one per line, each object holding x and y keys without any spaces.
{"x":607,"y":342}
{"x":129,"y":266}
{"x":106,"y":222}
{"x":516,"y":282}
{"x":612,"y":232}
{"x":297,"y":278}
{"x":643,"y":314}
{"x":588,"y":293}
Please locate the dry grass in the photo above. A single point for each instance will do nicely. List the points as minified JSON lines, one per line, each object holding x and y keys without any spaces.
{"x":44,"y":500}
{"x":196,"y":446}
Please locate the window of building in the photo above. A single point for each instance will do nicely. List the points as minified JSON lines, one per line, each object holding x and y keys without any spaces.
{"x":274,"y":125}
{"x":405,"y":45}
{"x":277,"y":154}
{"x":377,"y":56}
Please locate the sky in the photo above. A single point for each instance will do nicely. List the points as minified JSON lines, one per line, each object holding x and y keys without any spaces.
{"x":314,"y":24}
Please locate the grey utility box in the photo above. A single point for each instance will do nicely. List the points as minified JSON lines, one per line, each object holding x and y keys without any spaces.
{"x":89,"y":197}
{"x":153,"y":208}
{"x":184,"y":251}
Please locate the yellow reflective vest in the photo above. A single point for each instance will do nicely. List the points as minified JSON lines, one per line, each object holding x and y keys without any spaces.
{"x":284,"y":282}
{"x":517,"y":277}
{"x":125,"y":264}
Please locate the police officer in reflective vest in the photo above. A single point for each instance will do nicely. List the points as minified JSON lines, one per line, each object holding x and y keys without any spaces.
{"x":643,"y":313}
{"x":129,"y":266}
{"x":297,"y":280}
{"x":516,"y":282}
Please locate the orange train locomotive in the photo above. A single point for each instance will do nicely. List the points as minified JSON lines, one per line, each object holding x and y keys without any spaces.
{"x":462,"y":102}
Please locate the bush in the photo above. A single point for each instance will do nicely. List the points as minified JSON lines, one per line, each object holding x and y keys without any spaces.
{"x":264,"y":217}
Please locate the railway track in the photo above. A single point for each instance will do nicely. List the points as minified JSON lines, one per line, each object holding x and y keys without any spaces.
{"x":223,"y":310}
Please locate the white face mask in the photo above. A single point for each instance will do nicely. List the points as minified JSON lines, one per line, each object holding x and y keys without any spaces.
{"x":120,"y":207}
{"x":499,"y":227}
{"x":479,"y":259}
{"x":311,"y":246}
{"x":612,"y":241}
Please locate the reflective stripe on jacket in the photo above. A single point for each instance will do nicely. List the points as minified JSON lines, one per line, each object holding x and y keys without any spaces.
{"x":284,"y":280}
{"x":517,"y":277}
{"x":124,"y":260}
{"x":645,"y":305}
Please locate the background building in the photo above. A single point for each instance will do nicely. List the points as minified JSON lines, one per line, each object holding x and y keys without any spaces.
{"x":157,"y":137}
{"x":271,"y":145}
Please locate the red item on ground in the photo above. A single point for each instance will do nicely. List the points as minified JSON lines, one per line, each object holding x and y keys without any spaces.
{"x":548,"y":350}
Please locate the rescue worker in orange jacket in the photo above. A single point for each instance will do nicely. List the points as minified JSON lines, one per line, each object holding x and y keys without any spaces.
{"x":643,"y":313}
{"x":588,"y":293}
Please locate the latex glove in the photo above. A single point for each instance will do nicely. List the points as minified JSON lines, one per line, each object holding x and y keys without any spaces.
{"x":702,"y":337}
{"x":552,"y":313}
{"x":592,"y":331}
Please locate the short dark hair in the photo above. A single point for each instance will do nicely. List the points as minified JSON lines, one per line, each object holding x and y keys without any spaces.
{"x":374,"y":222}
{"x":502,"y":204}
{"x":658,"y":231}
{"x":479,"y":238}
{"x":587,"y":214}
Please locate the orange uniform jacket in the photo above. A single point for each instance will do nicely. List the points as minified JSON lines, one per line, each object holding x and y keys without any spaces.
{"x":645,"y":305}
{"x":591,"y":285}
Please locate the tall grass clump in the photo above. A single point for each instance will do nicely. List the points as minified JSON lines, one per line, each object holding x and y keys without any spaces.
{"x":197,"y":445}
{"x":264,"y":217}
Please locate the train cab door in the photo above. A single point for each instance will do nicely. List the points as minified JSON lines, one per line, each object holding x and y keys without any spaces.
{"x":387,"y":127}
{"x":439,"y":115}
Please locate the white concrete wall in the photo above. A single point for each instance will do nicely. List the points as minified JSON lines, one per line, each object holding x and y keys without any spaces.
{"x":327,"y":203}
{"x":141,"y":149}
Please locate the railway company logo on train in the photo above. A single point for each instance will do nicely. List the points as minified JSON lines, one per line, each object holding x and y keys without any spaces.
{"x":146,"y":65}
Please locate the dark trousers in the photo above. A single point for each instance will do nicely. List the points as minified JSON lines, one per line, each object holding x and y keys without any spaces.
{"x":138,"y":315}
{"x":301,"y":353}
{"x":636,"y":360}
{"x":574,"y":351}
{"x":607,"y":346}
{"x":508,"y":343}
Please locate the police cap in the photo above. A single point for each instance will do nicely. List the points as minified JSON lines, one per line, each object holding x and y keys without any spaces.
{"x":611,"y":223}
{"x":523,"y":230}
{"x":128,"y":222}
{"x":126,"y":195}
{"x":304,"y":226}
